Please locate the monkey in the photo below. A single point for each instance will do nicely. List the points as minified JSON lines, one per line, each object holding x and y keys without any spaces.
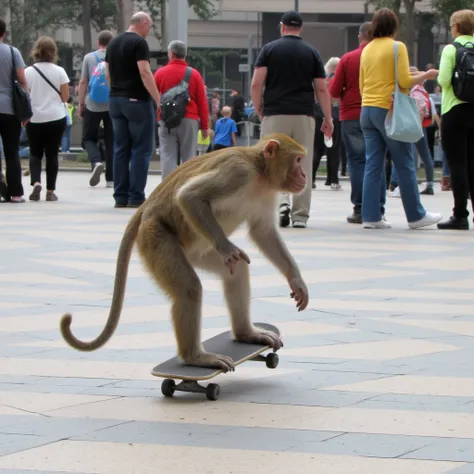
{"x":185,"y":225}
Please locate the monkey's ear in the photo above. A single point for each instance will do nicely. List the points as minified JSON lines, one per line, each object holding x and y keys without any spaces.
{"x":271,"y":148}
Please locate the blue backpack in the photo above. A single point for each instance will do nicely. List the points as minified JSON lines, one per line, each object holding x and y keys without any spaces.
{"x":98,"y":87}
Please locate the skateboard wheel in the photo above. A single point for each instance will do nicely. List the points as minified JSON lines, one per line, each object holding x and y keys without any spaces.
{"x":272,"y":360}
{"x":212,"y":391}
{"x":167,"y":387}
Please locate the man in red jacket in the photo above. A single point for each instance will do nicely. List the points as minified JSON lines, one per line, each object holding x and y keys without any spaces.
{"x":345,"y":86}
{"x":179,"y":144}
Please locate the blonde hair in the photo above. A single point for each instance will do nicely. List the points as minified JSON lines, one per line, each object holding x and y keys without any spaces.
{"x":464,"y":19}
{"x":331,"y":64}
{"x":45,"y":50}
{"x":226,"y":111}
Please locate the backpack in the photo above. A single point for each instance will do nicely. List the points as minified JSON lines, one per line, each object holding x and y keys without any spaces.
{"x":431,"y":108}
{"x":173,"y":102}
{"x":463,"y":75}
{"x":98,"y":87}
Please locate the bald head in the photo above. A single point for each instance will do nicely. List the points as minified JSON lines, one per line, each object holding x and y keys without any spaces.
{"x":141,"y":23}
{"x":140,"y":17}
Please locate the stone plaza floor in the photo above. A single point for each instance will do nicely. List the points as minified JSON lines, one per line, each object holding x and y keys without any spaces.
{"x":376,"y":376}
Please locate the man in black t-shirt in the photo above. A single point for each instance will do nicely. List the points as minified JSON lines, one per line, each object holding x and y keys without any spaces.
{"x":132,"y":93}
{"x":292,"y":73}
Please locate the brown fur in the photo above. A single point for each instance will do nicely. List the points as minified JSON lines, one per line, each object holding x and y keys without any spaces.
{"x":184,"y":225}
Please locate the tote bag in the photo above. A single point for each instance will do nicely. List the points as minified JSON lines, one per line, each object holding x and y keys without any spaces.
{"x":21,"y":99}
{"x":403,"y":122}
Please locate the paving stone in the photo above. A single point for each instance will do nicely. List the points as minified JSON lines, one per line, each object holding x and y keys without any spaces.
{"x":76,"y":241}
{"x":57,"y":428}
{"x":13,"y":443}
{"x":446,"y":449}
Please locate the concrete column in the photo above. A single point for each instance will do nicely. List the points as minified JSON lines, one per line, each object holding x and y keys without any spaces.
{"x":125,"y":10}
{"x":177,"y":16}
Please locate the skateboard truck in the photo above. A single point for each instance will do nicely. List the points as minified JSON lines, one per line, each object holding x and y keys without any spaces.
{"x":212,"y":391}
{"x":168,"y":387}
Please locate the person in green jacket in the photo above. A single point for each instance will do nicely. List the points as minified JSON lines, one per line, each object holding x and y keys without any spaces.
{"x":457,"y":121}
{"x":66,"y":141}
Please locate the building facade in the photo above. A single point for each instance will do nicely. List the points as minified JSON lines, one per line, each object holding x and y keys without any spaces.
{"x":220,"y":47}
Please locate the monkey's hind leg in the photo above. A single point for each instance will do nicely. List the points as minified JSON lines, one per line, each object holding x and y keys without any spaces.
{"x":237,"y":294}
{"x":171,"y":270}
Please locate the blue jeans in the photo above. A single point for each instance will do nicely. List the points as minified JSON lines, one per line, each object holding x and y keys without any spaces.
{"x":66,"y":140}
{"x":133,"y":124}
{"x":424,"y":151}
{"x":355,"y":151}
{"x":372,"y":122}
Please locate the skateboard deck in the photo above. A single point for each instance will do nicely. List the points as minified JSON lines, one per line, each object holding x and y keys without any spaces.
{"x":223,"y":344}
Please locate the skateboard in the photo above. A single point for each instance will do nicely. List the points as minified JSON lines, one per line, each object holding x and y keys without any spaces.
{"x":224,"y":344}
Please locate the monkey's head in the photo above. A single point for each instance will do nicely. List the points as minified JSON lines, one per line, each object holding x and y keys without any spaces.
{"x":283,"y":160}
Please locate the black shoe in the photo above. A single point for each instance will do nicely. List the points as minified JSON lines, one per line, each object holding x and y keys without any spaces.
{"x":284,"y":215}
{"x":119,"y":205}
{"x":428,"y":191}
{"x":454,"y":223}
{"x":354,"y":218}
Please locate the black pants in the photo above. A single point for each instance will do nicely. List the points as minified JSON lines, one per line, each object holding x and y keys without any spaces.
{"x":10,"y":130}
{"x":430,"y":135}
{"x":333,"y":154}
{"x":318,"y":148}
{"x":219,"y":147}
{"x":90,"y":140}
{"x":457,"y":137}
{"x":45,"y":139}
{"x":343,"y":156}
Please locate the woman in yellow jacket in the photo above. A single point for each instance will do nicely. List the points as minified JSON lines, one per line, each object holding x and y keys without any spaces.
{"x":377,"y":85}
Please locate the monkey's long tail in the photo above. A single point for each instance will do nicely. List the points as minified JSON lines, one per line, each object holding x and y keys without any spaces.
{"x":123,"y":260}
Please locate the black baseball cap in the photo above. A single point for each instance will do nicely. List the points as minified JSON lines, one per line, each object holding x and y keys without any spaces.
{"x":292,"y":18}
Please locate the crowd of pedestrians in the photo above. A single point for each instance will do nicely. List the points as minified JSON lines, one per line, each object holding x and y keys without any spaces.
{"x":340,"y":109}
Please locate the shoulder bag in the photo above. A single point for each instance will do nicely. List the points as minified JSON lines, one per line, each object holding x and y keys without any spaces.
{"x":54,"y":87}
{"x":403,"y":122}
{"x":21,"y":99}
{"x":49,"y":82}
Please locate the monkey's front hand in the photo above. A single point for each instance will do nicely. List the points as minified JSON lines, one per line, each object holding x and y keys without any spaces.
{"x":231,"y":254}
{"x":299,"y":292}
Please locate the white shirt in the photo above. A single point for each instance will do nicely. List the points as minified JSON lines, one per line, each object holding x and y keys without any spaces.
{"x":46,"y":103}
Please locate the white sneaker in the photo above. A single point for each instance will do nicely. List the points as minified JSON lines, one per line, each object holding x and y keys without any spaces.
{"x":383,"y":224}
{"x":299,"y":225}
{"x":429,"y":219}
{"x":396,"y":192}
{"x":96,"y":172}
{"x":109,"y":184}
{"x":336,"y":187}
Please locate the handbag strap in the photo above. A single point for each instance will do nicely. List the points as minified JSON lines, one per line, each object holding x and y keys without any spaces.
{"x":14,"y":77}
{"x":49,"y":82}
{"x":395,"y":54}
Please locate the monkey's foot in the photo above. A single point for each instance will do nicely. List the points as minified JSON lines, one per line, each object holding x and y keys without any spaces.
{"x":209,"y":359}
{"x":261,"y":336}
